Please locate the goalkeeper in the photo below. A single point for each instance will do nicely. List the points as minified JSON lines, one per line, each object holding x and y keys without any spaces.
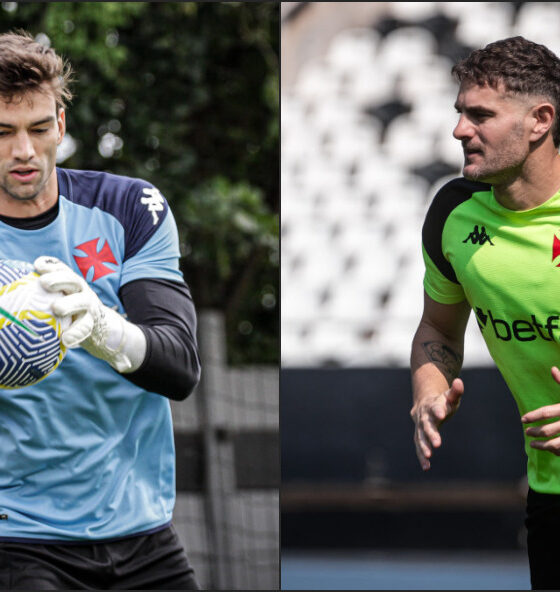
{"x":87,"y":482}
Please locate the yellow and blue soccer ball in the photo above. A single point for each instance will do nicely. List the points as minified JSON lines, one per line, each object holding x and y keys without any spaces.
{"x":30,"y":346}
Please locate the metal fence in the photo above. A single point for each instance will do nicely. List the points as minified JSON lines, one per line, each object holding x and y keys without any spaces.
{"x":227,"y":447}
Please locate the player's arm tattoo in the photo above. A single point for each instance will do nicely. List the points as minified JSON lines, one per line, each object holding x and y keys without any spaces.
{"x":447,"y":360}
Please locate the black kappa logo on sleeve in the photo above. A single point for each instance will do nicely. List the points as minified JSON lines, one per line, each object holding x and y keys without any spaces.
{"x":478,"y":236}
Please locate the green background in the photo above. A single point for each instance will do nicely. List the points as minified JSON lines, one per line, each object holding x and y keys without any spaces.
{"x":185,"y":95}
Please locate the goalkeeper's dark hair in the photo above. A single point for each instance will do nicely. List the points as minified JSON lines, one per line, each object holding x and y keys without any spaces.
{"x":26,"y":65}
{"x":524,"y":67}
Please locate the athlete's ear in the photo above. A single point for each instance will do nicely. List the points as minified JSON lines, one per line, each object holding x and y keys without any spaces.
{"x":61,"y":124}
{"x":542,"y":118}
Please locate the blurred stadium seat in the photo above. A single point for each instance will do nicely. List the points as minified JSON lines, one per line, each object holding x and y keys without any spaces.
{"x":539,"y":21}
{"x":485,"y":22}
{"x":366,"y":142}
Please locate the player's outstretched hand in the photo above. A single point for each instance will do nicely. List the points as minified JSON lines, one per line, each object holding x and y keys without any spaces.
{"x":550,"y":430}
{"x":428,"y":414}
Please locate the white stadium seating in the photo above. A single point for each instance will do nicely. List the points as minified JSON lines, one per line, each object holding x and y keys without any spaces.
{"x":366,"y":142}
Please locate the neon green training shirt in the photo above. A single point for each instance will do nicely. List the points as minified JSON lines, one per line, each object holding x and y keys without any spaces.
{"x":506,"y":264}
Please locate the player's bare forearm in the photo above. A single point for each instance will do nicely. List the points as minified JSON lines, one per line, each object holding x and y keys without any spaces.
{"x":437,"y":347}
{"x":435,"y":361}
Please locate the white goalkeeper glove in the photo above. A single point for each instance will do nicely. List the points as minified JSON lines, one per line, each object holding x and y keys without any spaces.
{"x":100,"y":330}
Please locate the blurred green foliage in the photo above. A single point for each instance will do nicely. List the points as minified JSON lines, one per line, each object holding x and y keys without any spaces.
{"x":185,"y":95}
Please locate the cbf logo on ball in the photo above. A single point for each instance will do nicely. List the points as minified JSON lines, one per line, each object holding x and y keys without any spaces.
{"x":30,"y":347}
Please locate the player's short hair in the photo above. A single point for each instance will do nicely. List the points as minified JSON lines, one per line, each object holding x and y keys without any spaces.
{"x":522,"y":66}
{"x":25,"y":64}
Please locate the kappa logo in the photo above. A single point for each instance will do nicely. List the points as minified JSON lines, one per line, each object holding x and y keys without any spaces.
{"x":96,"y":259}
{"x":478,"y":236}
{"x":154,"y":201}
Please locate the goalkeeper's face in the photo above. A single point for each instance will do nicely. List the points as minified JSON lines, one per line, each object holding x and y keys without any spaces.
{"x":31,"y":127}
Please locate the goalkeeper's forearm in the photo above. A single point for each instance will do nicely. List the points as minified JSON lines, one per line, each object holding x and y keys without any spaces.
{"x":155,"y":347}
{"x":165,"y":312}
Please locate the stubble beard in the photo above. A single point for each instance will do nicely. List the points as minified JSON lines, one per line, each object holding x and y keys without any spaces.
{"x":22,"y":193}
{"x":501,"y":171}
{"x":503,"y":167}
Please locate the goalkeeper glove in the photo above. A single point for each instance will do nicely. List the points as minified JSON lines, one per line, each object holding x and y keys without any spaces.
{"x":100,"y":330}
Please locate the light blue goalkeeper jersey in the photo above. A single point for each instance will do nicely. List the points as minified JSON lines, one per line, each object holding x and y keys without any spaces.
{"x":85,"y":454}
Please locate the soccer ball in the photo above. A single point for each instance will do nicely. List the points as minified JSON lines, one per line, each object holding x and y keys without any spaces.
{"x":30,"y":346}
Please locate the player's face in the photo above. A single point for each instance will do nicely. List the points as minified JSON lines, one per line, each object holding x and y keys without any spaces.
{"x":30,"y":130}
{"x":494,"y":130}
